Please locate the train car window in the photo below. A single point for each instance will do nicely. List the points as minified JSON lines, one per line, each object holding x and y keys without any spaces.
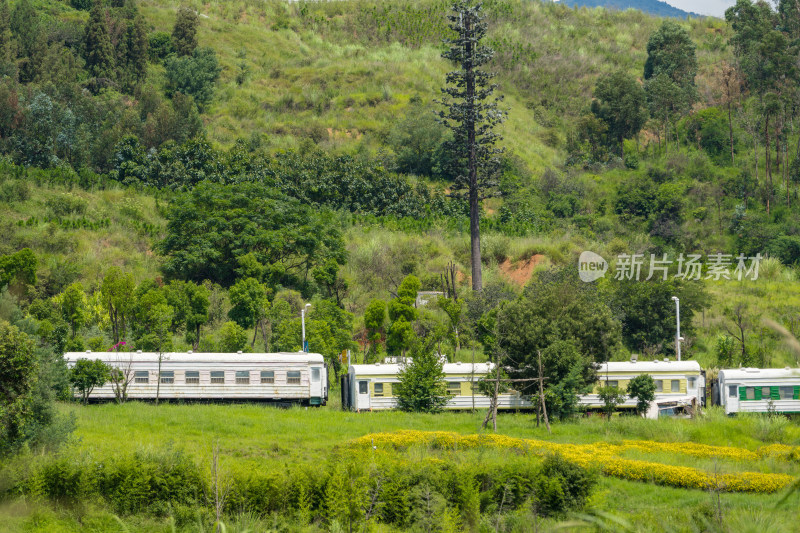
{"x":141,"y":376}
{"x":732,"y":392}
{"x":293,"y":378}
{"x":378,"y":389}
{"x":765,"y":392}
{"x":192,"y":377}
{"x":612,"y":383}
{"x":751,"y":393}
{"x":217,"y":377}
{"x":267,"y":376}
{"x":692,"y":383}
{"x":315,"y":375}
{"x":675,"y":385}
{"x":454,"y":388}
{"x":363,"y":387}
{"x":659,"y":385}
{"x":242,"y":377}
{"x":167,"y":376}
{"x":787,"y":393}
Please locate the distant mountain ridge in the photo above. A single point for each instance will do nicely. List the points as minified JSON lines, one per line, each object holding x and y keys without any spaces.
{"x":653,"y":7}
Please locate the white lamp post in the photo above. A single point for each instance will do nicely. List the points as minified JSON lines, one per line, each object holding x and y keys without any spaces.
{"x":303,"y":322}
{"x":678,"y":337}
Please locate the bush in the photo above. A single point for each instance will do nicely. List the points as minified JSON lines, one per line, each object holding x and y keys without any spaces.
{"x":81,"y":5}
{"x":232,"y":338}
{"x":66,"y":204}
{"x":562,"y":486}
{"x":194,"y":75}
{"x":160,"y":45}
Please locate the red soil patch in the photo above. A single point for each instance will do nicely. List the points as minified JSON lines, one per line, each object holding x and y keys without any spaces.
{"x":521,"y":271}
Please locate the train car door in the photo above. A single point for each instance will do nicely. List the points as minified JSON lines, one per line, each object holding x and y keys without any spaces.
{"x":362,"y":394}
{"x":316,"y":396}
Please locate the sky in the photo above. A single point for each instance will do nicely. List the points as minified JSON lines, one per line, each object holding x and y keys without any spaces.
{"x":703,"y":7}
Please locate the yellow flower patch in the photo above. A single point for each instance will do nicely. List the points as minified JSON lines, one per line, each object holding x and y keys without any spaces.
{"x":605,"y":457}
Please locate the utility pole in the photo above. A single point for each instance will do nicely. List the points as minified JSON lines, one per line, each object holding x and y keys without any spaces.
{"x":678,"y":338}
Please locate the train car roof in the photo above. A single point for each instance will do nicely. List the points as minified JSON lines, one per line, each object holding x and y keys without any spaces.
{"x":380,"y":369}
{"x":198,"y":357}
{"x":758,"y":373}
{"x":649,"y":366}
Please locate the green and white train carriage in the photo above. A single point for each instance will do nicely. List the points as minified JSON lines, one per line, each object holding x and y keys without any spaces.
{"x":371,"y":387}
{"x":759,"y":390}
{"x":679,"y":384}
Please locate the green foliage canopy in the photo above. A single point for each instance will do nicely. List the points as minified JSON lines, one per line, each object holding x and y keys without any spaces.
{"x":88,"y":374}
{"x":212,"y":226}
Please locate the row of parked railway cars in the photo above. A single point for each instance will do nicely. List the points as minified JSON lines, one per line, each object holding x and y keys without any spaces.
{"x":680,"y":385}
{"x":302,"y":378}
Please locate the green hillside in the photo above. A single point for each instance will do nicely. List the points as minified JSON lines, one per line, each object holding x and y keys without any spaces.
{"x":187,"y":176}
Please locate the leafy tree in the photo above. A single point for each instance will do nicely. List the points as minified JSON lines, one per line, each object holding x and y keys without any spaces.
{"x":647,"y":312}
{"x":416,"y":141}
{"x":375,"y":323}
{"x":643,"y":388}
{"x":19,"y":266}
{"x":471,"y":117}
{"x":73,"y":307}
{"x":98,"y":50}
{"x":18,"y":371}
{"x":327,"y":277}
{"x":232,"y":337}
{"x":27,"y":28}
{"x":132,"y":57}
{"x":212,"y":226}
{"x":190,"y":303}
{"x":611,"y":398}
{"x":88,"y":374}
{"x":561,"y":486}
{"x":402,"y":314}
{"x":160,"y":45}
{"x":557,"y":308}
{"x":117,"y":293}
{"x":670,"y":51}
{"x":708,"y":129}
{"x":453,"y":308}
{"x":669,"y":73}
{"x":665,"y":98}
{"x":421,"y":387}
{"x":249,"y":304}
{"x":184,"y":33}
{"x":620,"y":103}
{"x":194,"y":75}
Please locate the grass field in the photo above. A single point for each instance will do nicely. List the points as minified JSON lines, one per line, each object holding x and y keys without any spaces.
{"x":260,"y":439}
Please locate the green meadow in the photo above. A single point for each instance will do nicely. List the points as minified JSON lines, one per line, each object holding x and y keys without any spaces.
{"x":255,"y":440}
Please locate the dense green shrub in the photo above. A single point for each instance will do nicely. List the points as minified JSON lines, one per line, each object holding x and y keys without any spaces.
{"x":160,"y":45}
{"x":194,"y":75}
{"x":561,"y":486}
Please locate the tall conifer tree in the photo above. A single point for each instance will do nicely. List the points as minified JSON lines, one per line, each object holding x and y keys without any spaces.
{"x":99,"y":53}
{"x":184,"y":34}
{"x":471,"y":115}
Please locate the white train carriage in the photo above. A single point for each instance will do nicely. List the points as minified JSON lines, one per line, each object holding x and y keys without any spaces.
{"x":760,"y":390}
{"x":371,"y":387}
{"x":679,"y":384}
{"x":270,"y":377}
